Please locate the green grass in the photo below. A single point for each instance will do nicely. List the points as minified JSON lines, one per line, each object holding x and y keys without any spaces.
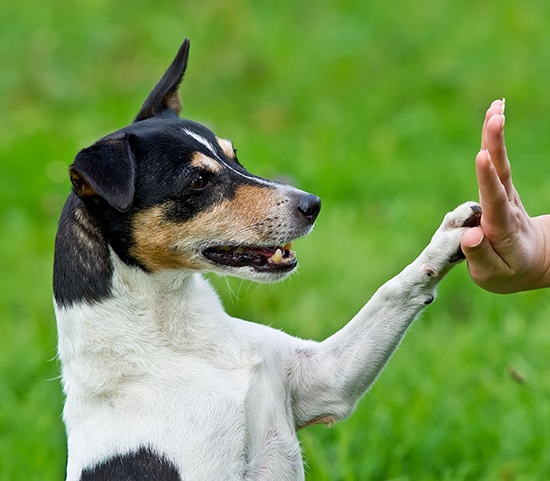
{"x":374,"y":106}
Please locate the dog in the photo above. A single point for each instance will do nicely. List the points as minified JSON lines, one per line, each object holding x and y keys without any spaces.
{"x":160,"y":382}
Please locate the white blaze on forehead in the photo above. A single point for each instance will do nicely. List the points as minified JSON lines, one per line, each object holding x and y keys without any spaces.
{"x":201,"y":140}
{"x":210,"y":147}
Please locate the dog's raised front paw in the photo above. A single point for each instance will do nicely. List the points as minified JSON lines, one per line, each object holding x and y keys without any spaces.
{"x":444,"y":249}
{"x":465,"y":215}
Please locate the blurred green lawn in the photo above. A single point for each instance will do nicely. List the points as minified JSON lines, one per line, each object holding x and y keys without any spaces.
{"x":374,"y":106}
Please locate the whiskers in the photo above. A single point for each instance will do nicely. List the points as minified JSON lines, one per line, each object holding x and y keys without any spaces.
{"x":236,"y":297}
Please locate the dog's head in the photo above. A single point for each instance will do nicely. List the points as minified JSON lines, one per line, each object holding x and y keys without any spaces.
{"x":169,"y":194}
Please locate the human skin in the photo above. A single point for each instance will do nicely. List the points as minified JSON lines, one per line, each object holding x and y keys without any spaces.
{"x":510,"y":251}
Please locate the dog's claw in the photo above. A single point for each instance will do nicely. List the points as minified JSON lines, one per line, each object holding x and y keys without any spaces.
{"x":475,"y":219}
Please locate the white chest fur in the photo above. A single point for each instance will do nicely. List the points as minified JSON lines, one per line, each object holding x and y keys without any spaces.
{"x":162,"y":365}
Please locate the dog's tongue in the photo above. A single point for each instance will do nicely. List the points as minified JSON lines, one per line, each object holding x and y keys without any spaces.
{"x":275,"y":255}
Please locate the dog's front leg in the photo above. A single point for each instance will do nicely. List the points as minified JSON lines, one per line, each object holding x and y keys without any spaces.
{"x":327,"y":379}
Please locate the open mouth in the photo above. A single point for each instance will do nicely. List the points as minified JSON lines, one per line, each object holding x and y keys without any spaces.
{"x":263,"y":259}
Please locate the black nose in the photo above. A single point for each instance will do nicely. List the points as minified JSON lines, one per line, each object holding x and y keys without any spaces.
{"x":309,"y":206}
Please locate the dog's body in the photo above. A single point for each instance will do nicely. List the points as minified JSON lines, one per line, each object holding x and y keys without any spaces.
{"x":160,"y":382}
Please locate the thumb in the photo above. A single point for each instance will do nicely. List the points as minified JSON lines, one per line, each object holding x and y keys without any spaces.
{"x":483,"y":262}
{"x":472,"y":240}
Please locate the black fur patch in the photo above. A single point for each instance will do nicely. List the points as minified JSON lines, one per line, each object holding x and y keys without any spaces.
{"x":141,"y":465}
{"x":106,"y":169}
{"x":82,"y":267}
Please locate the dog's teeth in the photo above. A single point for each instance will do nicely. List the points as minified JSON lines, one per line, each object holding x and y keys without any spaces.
{"x":288,"y":246}
{"x":278,"y":256}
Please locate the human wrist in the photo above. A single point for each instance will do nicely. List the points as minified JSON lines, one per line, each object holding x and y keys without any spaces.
{"x":541,"y":253}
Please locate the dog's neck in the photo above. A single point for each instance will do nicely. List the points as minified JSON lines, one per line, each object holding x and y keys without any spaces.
{"x":175,"y":301}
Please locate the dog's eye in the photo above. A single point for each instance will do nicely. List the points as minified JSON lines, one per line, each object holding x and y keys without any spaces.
{"x":199,"y":182}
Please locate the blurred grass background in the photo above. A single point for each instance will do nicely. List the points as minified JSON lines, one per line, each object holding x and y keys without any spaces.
{"x":374,"y":106}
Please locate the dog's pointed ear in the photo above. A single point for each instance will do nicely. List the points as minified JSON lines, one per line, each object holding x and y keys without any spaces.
{"x":106,"y":169}
{"x":165,"y":97}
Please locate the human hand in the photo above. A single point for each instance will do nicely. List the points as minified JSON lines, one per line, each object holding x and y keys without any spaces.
{"x":510,"y":251}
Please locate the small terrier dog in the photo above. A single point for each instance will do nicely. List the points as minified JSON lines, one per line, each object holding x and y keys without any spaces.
{"x":160,"y":382}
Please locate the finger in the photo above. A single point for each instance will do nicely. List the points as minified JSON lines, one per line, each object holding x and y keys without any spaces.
{"x":491,"y":191}
{"x":492,"y":197}
{"x":497,"y":107}
{"x":494,"y":142}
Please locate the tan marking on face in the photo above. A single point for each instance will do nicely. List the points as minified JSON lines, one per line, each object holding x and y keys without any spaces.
{"x":156,"y":242}
{"x":252,"y":217}
{"x":227,"y":147}
{"x":202,"y":161}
